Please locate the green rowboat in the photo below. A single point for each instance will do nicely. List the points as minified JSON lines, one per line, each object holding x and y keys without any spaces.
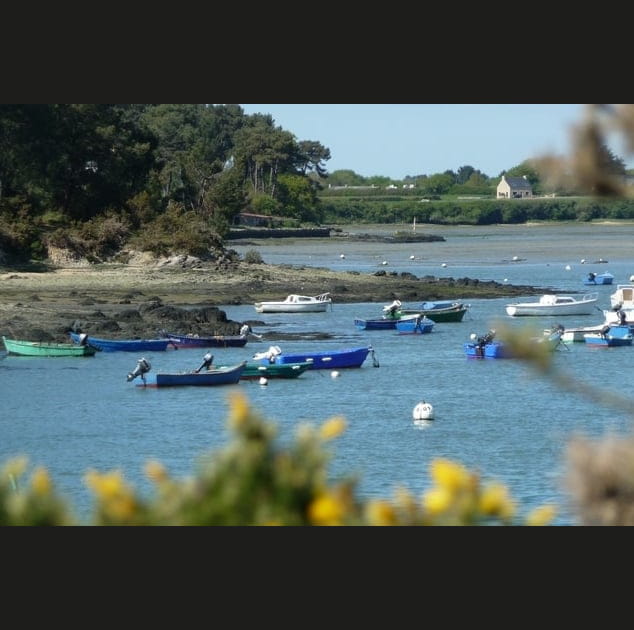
{"x":254,"y":370}
{"x":46,"y":349}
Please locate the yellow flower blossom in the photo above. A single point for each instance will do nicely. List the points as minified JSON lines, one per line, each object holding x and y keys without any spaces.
{"x":41,"y":482}
{"x":380,"y":513}
{"x":326,"y":509}
{"x":437,"y":501}
{"x":238,"y":410}
{"x":450,"y":475}
{"x":542,"y":515}
{"x":121,"y":508}
{"x":155,"y":471}
{"x":15,"y":467}
{"x":106,"y":486}
{"x":332,"y":428}
{"x":496,"y":501}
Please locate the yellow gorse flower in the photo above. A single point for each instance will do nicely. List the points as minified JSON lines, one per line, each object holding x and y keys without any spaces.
{"x":450,"y":475}
{"x":437,"y":501}
{"x":542,"y":515}
{"x":496,"y":501}
{"x":41,"y":482}
{"x":106,"y":486}
{"x":332,"y":428}
{"x":380,"y":512}
{"x":155,"y":471}
{"x":238,"y":410}
{"x":326,"y":509}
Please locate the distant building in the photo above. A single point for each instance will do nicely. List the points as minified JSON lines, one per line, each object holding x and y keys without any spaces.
{"x":514,"y":188}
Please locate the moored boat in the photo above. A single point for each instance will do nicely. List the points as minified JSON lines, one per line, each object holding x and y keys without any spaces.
{"x":554,"y":305}
{"x":123,"y":345}
{"x":414,"y":324}
{"x":296,"y":304}
{"x":46,"y":349}
{"x":255,"y":370}
{"x":598,"y":278}
{"x":227,"y":375}
{"x":610,"y":336}
{"x":213,"y":341}
{"x":439,"y":311}
{"x":321,"y":359}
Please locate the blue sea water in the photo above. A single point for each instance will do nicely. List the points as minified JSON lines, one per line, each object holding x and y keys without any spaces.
{"x":495,"y":416}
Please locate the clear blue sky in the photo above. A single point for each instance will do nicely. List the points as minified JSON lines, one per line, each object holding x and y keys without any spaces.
{"x":416,"y":139}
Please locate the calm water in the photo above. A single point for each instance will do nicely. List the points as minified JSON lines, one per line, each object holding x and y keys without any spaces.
{"x":495,"y":416}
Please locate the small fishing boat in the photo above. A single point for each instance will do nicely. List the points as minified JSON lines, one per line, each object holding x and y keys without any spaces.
{"x":255,"y":370}
{"x":296,"y":304}
{"x":210,"y":376}
{"x":439,"y":311}
{"x":213,"y":341}
{"x":487,"y":346}
{"x":555,"y":305}
{"x":414,"y":324}
{"x":573,"y":335}
{"x":123,"y":345}
{"x":377,"y":323}
{"x":46,"y":348}
{"x":610,"y":336}
{"x":321,"y":359}
{"x":598,"y":278}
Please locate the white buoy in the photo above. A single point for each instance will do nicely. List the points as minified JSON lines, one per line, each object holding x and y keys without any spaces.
{"x":412,"y":257}
{"x":423,"y":411}
{"x":506,"y":279}
{"x":342,"y":256}
{"x":567,"y":267}
{"x":334,"y":374}
{"x":444,"y":265}
{"x":263,"y":380}
{"x":384,"y":262}
{"x":631,"y":278}
{"x":583,"y":261}
{"x":515,"y":258}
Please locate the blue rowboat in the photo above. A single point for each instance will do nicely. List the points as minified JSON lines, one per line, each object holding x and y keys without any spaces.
{"x":598,"y":278}
{"x":414,"y":324}
{"x":320,"y":360}
{"x":228,"y":375}
{"x":379,"y":323}
{"x":492,"y":350}
{"x":610,"y":336}
{"x":214,"y":341}
{"x":123,"y":345}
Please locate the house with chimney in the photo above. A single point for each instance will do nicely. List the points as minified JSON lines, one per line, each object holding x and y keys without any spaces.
{"x":514,"y":188}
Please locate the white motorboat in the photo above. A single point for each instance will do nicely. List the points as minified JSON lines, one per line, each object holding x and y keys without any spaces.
{"x":555,"y":305}
{"x":296,"y":304}
{"x":571,"y":335}
{"x":623,"y":297}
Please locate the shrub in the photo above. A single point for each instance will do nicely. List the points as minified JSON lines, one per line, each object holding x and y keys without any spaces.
{"x":253,"y":257}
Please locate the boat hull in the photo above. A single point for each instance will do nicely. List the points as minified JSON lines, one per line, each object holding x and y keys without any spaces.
{"x":255,"y":370}
{"x":615,"y":336}
{"x":375,"y":324}
{"x":217,"y":376}
{"x":44,"y":349}
{"x":296,"y":304}
{"x":554,"y":306}
{"x":215,"y":341}
{"x":124,"y":345}
{"x":412,"y":325}
{"x":348,"y":358}
{"x":454,"y":312}
{"x":494,"y":350}
{"x":601,"y":278}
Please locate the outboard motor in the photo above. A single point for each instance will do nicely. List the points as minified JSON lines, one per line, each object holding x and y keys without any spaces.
{"x":270,"y":354}
{"x":208,"y":359}
{"x":142,"y":367}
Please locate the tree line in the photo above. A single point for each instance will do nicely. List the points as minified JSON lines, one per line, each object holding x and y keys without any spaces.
{"x":174,"y":177}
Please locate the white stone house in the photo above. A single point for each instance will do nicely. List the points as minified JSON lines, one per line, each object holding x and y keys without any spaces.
{"x":514,"y":188}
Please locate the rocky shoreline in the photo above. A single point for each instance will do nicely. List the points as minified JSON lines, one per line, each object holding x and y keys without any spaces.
{"x":136,"y":301}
